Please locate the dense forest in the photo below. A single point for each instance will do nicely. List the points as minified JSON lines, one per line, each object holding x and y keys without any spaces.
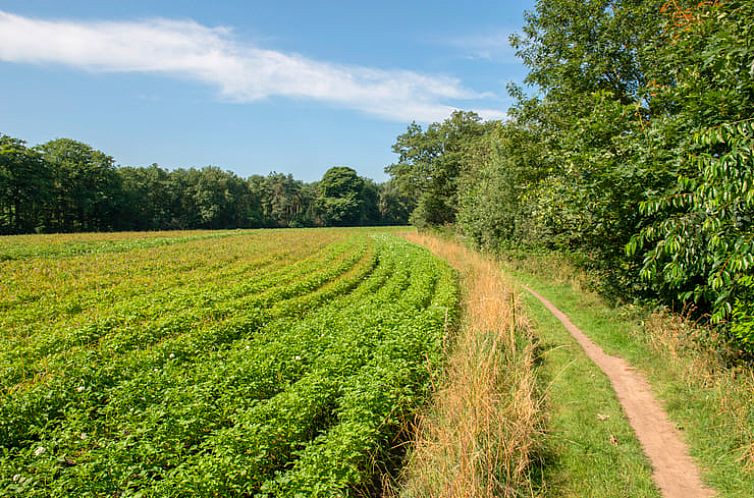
{"x":66,"y":186}
{"x":631,"y":150}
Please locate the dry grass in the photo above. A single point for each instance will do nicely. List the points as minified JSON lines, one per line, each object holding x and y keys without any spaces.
{"x":731,"y":388}
{"x":478,"y":437}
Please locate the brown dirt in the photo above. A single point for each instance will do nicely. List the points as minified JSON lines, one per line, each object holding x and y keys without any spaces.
{"x":674,"y":472}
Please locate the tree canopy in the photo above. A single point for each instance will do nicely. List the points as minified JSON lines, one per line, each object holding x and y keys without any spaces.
{"x":66,"y":186}
{"x":631,"y":149}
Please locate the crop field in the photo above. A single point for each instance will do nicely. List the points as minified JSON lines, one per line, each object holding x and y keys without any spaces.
{"x":256,"y":363}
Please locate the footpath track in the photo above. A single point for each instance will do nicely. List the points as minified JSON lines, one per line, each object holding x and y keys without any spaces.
{"x":674,"y":471}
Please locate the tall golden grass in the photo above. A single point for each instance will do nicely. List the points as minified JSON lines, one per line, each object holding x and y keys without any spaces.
{"x":478,"y":436}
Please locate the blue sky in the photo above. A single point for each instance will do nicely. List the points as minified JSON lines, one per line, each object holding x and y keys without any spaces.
{"x":250,"y":86}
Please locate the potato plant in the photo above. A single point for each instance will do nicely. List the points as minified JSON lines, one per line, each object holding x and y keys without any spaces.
{"x":255,"y":363}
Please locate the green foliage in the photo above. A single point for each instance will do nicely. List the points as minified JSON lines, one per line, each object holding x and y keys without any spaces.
{"x":633,"y":152}
{"x":393,"y":204}
{"x":701,"y":246}
{"x":564,"y":172}
{"x":279,"y":200}
{"x":742,"y":315}
{"x":576,"y":47}
{"x":697,"y":240}
{"x":583,"y":183}
{"x":275,"y":363}
{"x":340,"y":201}
{"x":67,"y":186}
{"x":146,"y":198}
{"x":568,"y":170}
{"x":84,"y":184}
{"x":488,"y":195}
{"x":430,"y":162}
{"x":25,"y":183}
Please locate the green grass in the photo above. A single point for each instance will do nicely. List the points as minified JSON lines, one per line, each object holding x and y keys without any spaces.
{"x":712,"y":406}
{"x":590,"y":449}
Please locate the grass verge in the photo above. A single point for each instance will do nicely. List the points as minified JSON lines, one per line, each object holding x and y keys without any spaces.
{"x":479,"y":435}
{"x":711,"y":403}
{"x":590,"y":448}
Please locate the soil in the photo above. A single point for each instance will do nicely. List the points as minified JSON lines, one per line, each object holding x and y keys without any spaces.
{"x":674,"y":472}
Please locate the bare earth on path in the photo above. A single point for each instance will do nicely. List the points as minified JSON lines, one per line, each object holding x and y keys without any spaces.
{"x":674,"y":471}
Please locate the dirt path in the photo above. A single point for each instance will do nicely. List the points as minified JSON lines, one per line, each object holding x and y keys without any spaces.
{"x":673,"y":470}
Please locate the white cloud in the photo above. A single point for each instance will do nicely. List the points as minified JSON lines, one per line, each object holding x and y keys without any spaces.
{"x":241,"y":72}
{"x":490,"y":46}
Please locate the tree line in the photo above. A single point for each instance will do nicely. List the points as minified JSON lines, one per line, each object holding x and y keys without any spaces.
{"x":68,"y":186}
{"x":632,"y":150}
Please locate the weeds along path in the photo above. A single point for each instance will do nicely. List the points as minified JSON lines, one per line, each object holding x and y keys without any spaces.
{"x":673,"y":469}
{"x":479,"y":434}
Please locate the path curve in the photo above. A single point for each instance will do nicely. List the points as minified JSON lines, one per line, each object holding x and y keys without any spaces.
{"x":674,"y":472}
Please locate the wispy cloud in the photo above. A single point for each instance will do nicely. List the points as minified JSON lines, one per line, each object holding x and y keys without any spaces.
{"x":242,"y":72}
{"x":494,"y":46}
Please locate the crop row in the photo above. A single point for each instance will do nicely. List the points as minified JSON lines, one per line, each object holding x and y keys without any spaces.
{"x":295,"y":380}
{"x":178,"y":301}
{"x":31,"y":407}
